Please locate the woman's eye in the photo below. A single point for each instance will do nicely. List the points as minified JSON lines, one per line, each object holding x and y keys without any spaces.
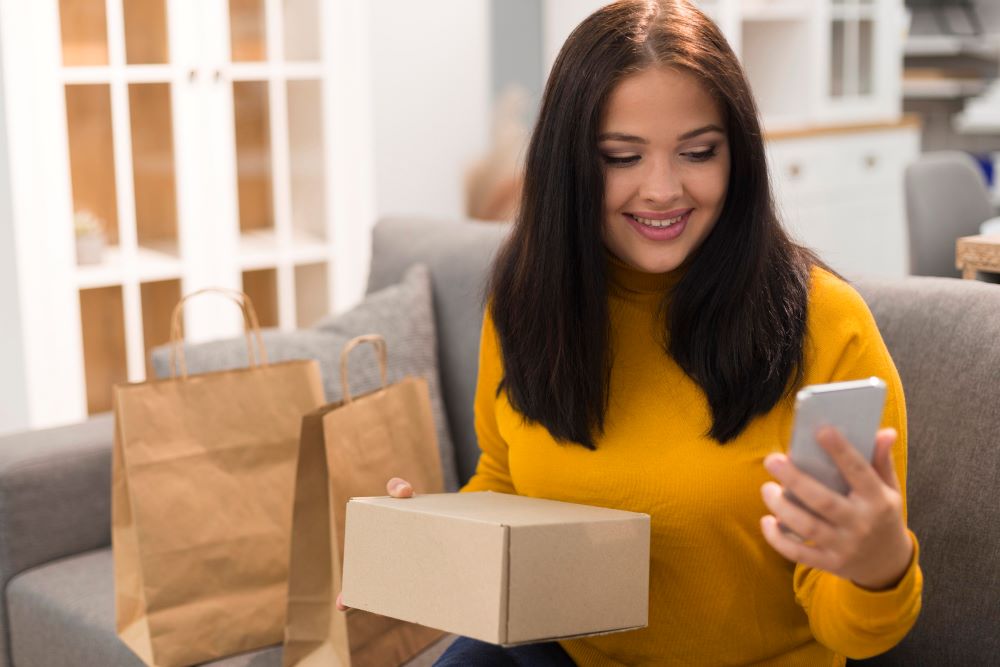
{"x":619,"y":161}
{"x":701,"y":156}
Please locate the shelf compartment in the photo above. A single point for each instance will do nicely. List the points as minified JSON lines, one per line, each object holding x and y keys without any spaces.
{"x":852,"y":13}
{"x":145,"y":32}
{"x":305,"y":145}
{"x":247,"y":31}
{"x":91,"y":154}
{"x":302,"y":21}
{"x":109,"y":272}
{"x":261,"y":285}
{"x":940,"y":83}
{"x":312,"y":300}
{"x":153,"y":167}
{"x":307,"y":249}
{"x":255,"y":71}
{"x":866,"y":56}
{"x":158,"y":301}
{"x":258,"y":249}
{"x":103,"y":326}
{"x":159,"y":261}
{"x":852,"y":58}
{"x":950,"y":45}
{"x":130,"y":73}
{"x":84,"y":32}
{"x":772,"y":57}
{"x":253,"y":155}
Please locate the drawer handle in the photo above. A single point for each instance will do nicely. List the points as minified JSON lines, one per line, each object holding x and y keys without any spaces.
{"x":794,"y":170}
{"x":871,"y":161}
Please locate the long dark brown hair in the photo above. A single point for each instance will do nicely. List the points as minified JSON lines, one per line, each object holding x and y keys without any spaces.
{"x":736,"y":320}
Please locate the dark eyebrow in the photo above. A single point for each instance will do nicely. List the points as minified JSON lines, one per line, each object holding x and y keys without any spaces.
{"x":632,"y":139}
{"x":620,"y":136}
{"x":700,"y":130}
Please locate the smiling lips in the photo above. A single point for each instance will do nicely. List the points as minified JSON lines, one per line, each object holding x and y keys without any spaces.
{"x":656,"y":220}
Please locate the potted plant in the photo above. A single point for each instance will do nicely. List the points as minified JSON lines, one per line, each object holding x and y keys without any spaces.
{"x":90,"y":237}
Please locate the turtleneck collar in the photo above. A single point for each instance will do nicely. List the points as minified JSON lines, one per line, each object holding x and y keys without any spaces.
{"x":631,"y":280}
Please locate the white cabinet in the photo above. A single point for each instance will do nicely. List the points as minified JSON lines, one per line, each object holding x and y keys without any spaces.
{"x":217,"y":141}
{"x":841,"y":194}
{"x":817,"y":61}
{"x":827,"y":78}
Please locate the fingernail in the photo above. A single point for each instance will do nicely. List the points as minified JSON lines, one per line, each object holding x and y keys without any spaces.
{"x":400,"y":487}
{"x":769,"y":492}
{"x":773,"y":462}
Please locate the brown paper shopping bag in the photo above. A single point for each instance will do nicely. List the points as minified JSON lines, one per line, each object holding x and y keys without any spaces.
{"x":352,"y":448}
{"x":203,"y":481}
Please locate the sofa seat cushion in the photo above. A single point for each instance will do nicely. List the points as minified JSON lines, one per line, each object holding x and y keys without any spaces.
{"x":62,"y":614}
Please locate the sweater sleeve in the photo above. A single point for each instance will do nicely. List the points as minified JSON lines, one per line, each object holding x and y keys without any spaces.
{"x":851,"y":620}
{"x":492,"y":472}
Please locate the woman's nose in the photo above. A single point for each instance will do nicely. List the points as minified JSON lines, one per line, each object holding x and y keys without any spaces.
{"x":661,"y":184}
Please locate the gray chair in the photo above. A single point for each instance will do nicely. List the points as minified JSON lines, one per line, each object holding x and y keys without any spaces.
{"x":946,"y":197}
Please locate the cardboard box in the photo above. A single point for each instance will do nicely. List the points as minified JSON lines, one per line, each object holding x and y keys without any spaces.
{"x":500,"y":568}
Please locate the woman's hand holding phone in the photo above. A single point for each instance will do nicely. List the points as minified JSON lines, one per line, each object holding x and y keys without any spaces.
{"x":861,"y":536}
{"x":397,"y":488}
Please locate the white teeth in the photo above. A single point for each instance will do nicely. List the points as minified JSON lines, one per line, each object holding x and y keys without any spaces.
{"x":657,"y":223}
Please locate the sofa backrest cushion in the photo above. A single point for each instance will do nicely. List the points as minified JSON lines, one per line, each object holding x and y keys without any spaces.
{"x":944,"y":335}
{"x":459,"y":255}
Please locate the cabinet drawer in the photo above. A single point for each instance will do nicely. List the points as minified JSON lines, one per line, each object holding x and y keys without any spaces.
{"x":834,"y":163}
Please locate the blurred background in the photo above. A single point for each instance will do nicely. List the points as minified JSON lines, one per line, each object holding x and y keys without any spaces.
{"x":149,"y":148}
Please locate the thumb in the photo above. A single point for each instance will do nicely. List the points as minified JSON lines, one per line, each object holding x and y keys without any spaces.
{"x":883,"y":463}
{"x":399,"y":488}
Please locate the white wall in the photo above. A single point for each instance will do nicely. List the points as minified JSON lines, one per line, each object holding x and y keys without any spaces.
{"x":431,"y":91}
{"x":13,"y":401}
{"x":559,"y":17}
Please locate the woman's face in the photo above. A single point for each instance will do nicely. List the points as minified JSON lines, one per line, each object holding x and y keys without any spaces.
{"x":666,"y":168}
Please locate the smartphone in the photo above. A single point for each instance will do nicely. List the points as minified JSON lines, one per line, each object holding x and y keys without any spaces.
{"x":853,"y":408}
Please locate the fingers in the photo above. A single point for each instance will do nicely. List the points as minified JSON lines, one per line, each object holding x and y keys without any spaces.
{"x":793,"y":550}
{"x":805,"y":524}
{"x":340,"y":602}
{"x":399,"y":488}
{"x":883,"y":463}
{"x":829,"y":504}
{"x":858,"y":472}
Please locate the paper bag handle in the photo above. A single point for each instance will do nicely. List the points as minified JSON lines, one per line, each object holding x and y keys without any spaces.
{"x":251,"y":325}
{"x":380,"y":349}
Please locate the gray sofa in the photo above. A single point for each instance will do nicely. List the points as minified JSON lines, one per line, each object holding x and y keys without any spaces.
{"x":55,"y":563}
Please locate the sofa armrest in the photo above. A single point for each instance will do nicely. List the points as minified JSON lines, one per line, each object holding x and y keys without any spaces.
{"x":55,"y":494}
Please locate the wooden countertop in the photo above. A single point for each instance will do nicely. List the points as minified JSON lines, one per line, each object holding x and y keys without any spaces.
{"x":907,"y":120}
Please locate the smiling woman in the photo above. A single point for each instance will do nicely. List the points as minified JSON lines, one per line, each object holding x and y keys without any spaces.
{"x":660,"y":185}
{"x":648,"y":324}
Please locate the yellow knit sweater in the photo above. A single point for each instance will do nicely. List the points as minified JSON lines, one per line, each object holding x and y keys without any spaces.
{"x":718,"y":593}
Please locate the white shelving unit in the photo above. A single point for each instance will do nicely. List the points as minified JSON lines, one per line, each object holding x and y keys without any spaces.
{"x":215,"y":140}
{"x":939,"y":88}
